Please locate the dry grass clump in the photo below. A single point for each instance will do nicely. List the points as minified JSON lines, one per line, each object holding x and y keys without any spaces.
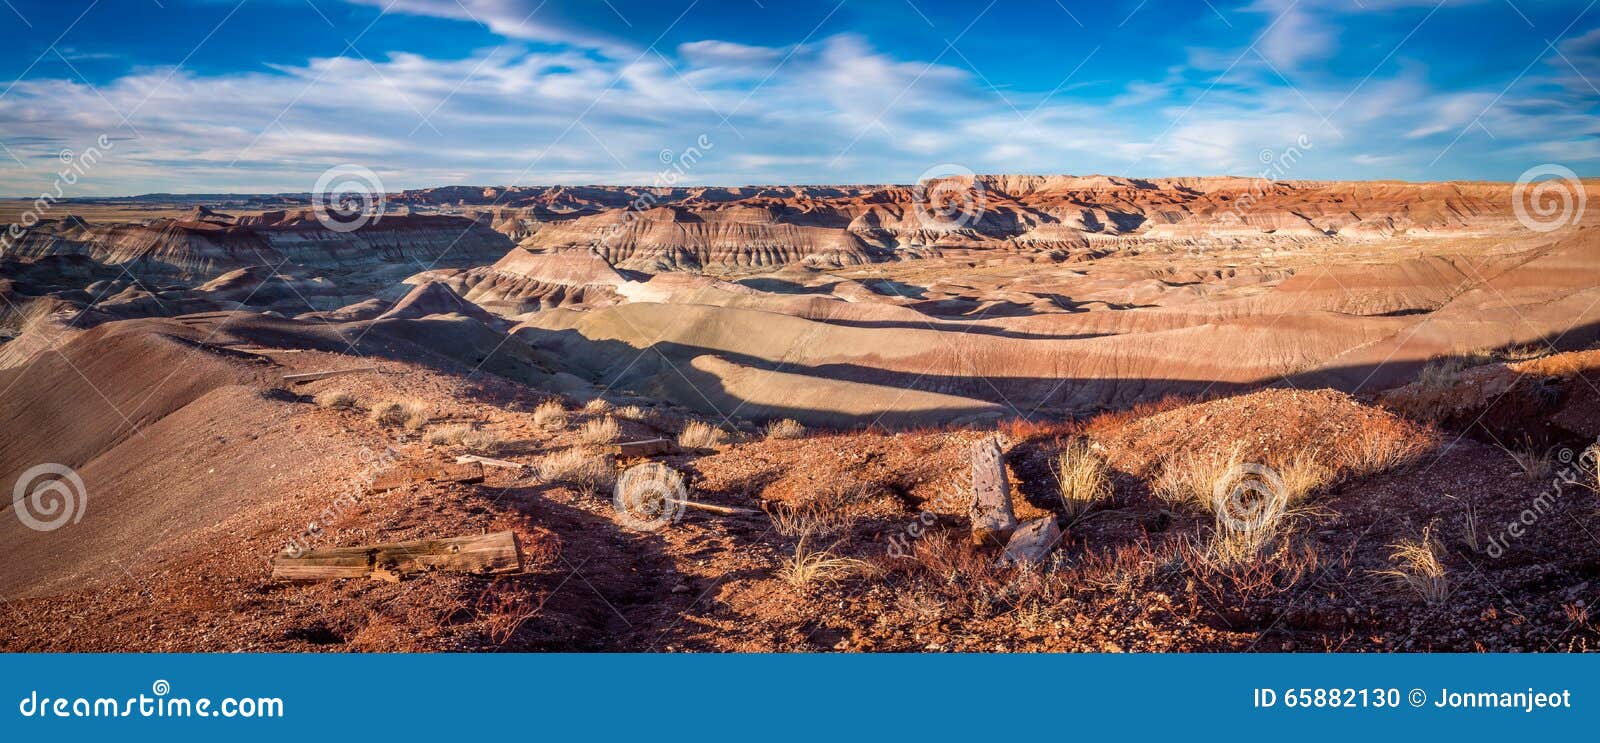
{"x":590,"y":473}
{"x":834,"y":511}
{"x":1193,"y":479}
{"x":337,"y":399}
{"x":468,"y":435}
{"x":785,"y":429}
{"x":451,"y":434}
{"x":1536,"y":465}
{"x":1082,"y":479}
{"x":1253,"y":506}
{"x":412,"y":414}
{"x":633,"y":413}
{"x":699,"y":435}
{"x":599,"y":431}
{"x":1380,"y":447}
{"x":808,"y":566}
{"x":1419,"y":565}
{"x":550,"y":414}
{"x":596,"y":406}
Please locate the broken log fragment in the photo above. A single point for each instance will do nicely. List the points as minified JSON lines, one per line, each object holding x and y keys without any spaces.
{"x":993,"y":519}
{"x":488,"y":554}
{"x":489,"y":461}
{"x":1032,"y":542}
{"x":712,"y":507}
{"x":405,"y":474}
{"x":314,"y":376}
{"x":644,"y":448}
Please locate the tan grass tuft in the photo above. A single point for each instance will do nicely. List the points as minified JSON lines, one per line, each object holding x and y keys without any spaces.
{"x":1082,"y":479}
{"x":590,"y":473}
{"x":807,"y":567}
{"x":412,"y":414}
{"x":1419,"y":565}
{"x":337,"y":399}
{"x":700,"y":436}
{"x":550,"y":414}
{"x":599,"y":431}
{"x":785,"y":429}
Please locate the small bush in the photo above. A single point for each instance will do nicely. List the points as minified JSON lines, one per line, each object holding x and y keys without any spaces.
{"x":1081,"y":478}
{"x":550,"y":414}
{"x":785,"y":429}
{"x":698,"y":435}
{"x":599,"y":431}
{"x":1419,"y":565}
{"x":596,"y":406}
{"x":590,"y":473}
{"x":337,"y":399}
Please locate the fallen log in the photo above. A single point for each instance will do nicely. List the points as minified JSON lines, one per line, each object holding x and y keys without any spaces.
{"x":644,"y":448}
{"x":993,"y":519}
{"x":405,"y":474}
{"x":488,"y":554}
{"x":489,"y":461}
{"x":327,"y":374}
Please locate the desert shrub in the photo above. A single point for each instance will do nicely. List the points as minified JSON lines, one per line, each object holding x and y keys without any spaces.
{"x":1081,"y":478}
{"x":1419,"y":566}
{"x":785,"y":429}
{"x":412,"y":414}
{"x":590,"y":473}
{"x":337,"y":399}
{"x":698,"y":435}
{"x":550,"y":414}
{"x":596,"y":406}
{"x":599,"y":431}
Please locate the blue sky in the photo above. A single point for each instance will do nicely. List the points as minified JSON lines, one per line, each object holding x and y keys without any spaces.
{"x":265,"y":95}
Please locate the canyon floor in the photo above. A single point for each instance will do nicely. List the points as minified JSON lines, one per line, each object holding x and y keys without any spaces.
{"x":1406,"y":376}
